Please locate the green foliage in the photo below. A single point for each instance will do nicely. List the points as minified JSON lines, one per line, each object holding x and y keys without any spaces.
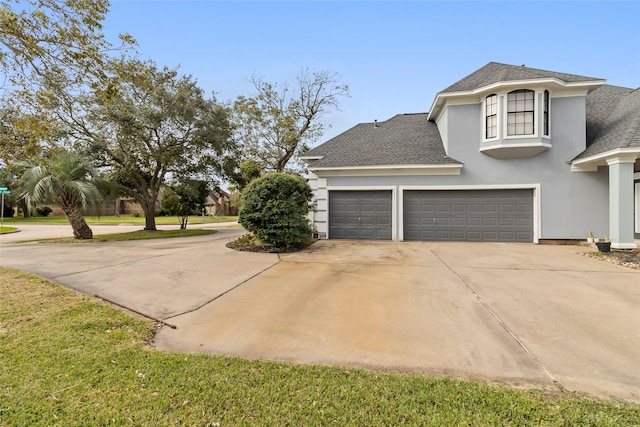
{"x":8,"y":210}
{"x":246,"y":240}
{"x":186,"y":197}
{"x":276,"y":125}
{"x":67,"y":179}
{"x":146,"y":123}
{"x":43,"y":211}
{"x":49,"y":37}
{"x":243,"y":173}
{"x":275,"y":208}
{"x":24,"y":136}
{"x":69,"y":360}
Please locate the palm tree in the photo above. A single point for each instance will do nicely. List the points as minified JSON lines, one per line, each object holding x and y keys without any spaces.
{"x":68,"y":180}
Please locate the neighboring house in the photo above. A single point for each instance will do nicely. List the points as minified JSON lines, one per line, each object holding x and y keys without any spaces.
{"x":119,"y":206}
{"x":219,"y":203}
{"x":508,"y":153}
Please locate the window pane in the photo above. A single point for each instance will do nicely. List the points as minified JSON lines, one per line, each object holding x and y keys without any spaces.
{"x":528,"y":129}
{"x":491,"y":118}
{"x":520,"y":109}
{"x":528,"y":105}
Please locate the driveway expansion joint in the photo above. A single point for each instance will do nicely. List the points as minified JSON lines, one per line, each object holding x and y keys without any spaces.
{"x":223,"y":293}
{"x":509,"y":331}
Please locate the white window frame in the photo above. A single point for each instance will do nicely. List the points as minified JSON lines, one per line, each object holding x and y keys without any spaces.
{"x":536,"y":114}
{"x":484,"y":118}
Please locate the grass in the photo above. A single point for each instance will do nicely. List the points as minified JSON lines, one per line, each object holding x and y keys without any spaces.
{"x":7,"y":229}
{"x":132,"y":235}
{"x":121,"y":220}
{"x":69,"y":360}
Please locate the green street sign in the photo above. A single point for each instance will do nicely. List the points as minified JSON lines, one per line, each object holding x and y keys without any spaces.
{"x":5,"y":191}
{"x":4,"y":188}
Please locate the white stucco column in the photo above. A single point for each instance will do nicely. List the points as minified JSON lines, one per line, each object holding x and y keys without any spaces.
{"x":621,"y":201}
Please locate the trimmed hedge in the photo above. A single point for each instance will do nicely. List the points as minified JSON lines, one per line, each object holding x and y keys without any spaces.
{"x":274,"y":208}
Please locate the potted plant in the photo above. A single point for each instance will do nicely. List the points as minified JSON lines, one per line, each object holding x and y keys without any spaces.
{"x":604,"y":246}
{"x":589,"y":237}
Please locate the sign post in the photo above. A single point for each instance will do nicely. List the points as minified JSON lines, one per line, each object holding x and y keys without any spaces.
{"x":3,"y":190}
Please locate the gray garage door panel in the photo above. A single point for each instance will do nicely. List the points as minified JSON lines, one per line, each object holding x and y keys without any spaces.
{"x":469,"y":215}
{"x":362,"y":215}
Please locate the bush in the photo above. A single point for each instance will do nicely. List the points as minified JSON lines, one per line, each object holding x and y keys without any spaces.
{"x":274,"y":209}
{"x":43,"y":211}
{"x":8,"y":210}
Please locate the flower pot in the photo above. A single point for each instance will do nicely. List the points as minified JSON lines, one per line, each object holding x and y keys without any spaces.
{"x":589,"y":240}
{"x":604,"y":246}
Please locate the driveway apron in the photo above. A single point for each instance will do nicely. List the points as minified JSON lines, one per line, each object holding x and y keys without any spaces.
{"x":160,"y":278}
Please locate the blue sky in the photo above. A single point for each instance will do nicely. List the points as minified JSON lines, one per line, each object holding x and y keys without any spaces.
{"x":395,"y":56}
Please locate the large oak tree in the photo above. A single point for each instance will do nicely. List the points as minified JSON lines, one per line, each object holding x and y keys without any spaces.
{"x":144,"y":123}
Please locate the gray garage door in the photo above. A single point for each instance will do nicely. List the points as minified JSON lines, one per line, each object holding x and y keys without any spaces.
{"x":474,"y":215}
{"x":360,"y":215}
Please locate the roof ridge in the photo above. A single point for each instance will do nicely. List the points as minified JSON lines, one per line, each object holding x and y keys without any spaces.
{"x":495,"y":72}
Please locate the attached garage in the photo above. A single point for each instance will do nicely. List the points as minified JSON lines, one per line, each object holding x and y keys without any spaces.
{"x":361,"y":215}
{"x":468,"y":215}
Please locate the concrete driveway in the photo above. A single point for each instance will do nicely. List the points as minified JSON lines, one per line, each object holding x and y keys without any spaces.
{"x":525,"y":315}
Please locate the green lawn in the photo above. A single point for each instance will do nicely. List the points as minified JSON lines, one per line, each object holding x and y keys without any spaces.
{"x":4,"y":229}
{"x":122,"y":219}
{"x":69,"y":360}
{"x":132,"y":235}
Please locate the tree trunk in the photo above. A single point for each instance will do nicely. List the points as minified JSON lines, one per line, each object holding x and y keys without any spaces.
{"x":80,"y":228}
{"x":25,"y":209}
{"x":149,"y":217}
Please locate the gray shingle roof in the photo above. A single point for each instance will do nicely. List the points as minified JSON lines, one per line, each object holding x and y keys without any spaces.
{"x":404,"y":139}
{"x":495,"y":72}
{"x":613,"y":119}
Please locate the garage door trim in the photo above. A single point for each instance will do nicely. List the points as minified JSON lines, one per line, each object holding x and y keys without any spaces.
{"x":394,"y":203}
{"x":534,"y":187}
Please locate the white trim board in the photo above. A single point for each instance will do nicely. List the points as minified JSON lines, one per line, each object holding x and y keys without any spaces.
{"x":389,"y":170}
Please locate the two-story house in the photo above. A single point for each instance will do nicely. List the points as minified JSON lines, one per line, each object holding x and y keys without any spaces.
{"x":508,"y":153}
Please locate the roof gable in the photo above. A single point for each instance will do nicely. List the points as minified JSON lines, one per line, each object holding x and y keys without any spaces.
{"x":495,"y":72}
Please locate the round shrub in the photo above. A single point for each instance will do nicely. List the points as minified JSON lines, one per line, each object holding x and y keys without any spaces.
{"x":275,"y":207}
